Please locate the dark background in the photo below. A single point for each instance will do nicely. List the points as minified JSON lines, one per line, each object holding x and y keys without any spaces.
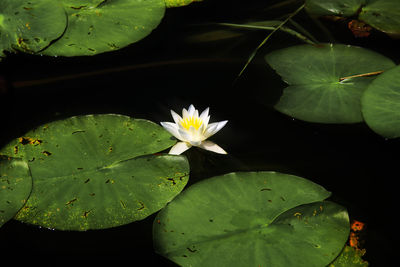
{"x":168,"y":71}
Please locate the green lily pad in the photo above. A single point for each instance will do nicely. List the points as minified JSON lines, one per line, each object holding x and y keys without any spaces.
{"x":316,"y":92}
{"x":381,"y":104}
{"x":344,"y":8}
{"x":99,"y":26}
{"x":251,"y":219}
{"x":97,"y":171}
{"x":30,"y":26}
{"x":350,"y":257}
{"x":179,"y":3}
{"x":383,"y":15}
{"x":15,"y":187}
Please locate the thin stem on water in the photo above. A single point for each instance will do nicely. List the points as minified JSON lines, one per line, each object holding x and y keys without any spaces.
{"x":270,"y":28}
{"x":253,"y":54}
{"x":361,"y":75}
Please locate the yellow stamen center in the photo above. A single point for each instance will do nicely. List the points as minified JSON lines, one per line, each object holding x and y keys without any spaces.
{"x":196,"y":122}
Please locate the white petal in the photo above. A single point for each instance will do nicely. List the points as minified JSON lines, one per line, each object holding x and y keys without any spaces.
{"x":191,"y":110}
{"x":195,"y":143}
{"x":179,"y":148}
{"x":196,"y":114}
{"x":205,"y":122}
{"x":185,"y":135}
{"x":204,"y":114}
{"x":213,"y":128}
{"x":185,"y":113}
{"x":195,"y":136}
{"x":210,"y":146}
{"x":176,"y":117}
{"x":201,"y":131}
{"x":209,"y":130}
{"x":172,"y":128}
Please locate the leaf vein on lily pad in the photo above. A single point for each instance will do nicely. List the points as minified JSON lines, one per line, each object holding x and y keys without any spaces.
{"x":315,"y":91}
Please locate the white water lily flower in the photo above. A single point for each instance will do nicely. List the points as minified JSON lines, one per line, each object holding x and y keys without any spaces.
{"x":193,"y":130}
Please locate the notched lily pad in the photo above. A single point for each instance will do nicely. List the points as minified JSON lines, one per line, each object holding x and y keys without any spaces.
{"x":15,"y":186}
{"x":320,"y":85}
{"x":251,"y":219}
{"x":98,"y":171}
{"x":99,"y":26}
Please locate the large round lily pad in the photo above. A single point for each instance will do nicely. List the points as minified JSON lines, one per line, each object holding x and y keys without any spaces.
{"x":317,"y":91}
{"x":251,"y":219}
{"x":99,"y":26}
{"x":381,"y":104}
{"x":97,"y":171}
{"x":383,"y":15}
{"x":15,"y":186}
{"x":30,"y":25}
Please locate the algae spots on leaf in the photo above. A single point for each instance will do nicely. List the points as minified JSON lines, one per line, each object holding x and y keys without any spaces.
{"x":30,"y":26}
{"x":46,"y":153}
{"x":15,"y":186}
{"x":71,"y":202}
{"x":86,"y":214}
{"x":110,"y":181}
{"x":86,"y":163}
{"x":30,"y":141}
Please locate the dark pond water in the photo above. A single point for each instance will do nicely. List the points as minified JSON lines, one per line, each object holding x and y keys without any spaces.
{"x":164,"y":72}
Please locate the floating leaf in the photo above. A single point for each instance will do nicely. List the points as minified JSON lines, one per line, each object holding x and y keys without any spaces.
{"x":381,"y":104}
{"x":15,"y":187}
{"x":349,"y":257}
{"x":344,"y":8}
{"x":251,"y":219}
{"x":316,"y":91}
{"x":179,"y":3}
{"x":99,"y":26}
{"x":97,"y":171}
{"x":383,"y":15}
{"x":30,"y":26}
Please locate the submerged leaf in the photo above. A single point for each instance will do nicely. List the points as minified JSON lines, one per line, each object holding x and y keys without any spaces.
{"x":320,"y":88}
{"x":97,"y":171}
{"x":251,"y":219}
